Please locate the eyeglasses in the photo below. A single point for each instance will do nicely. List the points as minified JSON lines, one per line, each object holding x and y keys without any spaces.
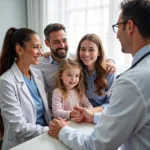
{"x":115,"y":26}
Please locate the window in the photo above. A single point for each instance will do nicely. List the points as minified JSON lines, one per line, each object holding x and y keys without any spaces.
{"x":86,"y":16}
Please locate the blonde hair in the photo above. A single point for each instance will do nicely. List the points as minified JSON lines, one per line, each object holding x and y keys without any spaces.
{"x":100,"y":80}
{"x":64,"y":64}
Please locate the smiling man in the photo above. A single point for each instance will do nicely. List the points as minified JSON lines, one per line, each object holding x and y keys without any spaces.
{"x":126,"y":122}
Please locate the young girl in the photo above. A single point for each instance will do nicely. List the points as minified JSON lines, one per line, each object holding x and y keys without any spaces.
{"x":69,"y":90}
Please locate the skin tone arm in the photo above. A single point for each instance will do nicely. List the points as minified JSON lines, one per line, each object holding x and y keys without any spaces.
{"x":97,"y":109}
{"x":110,"y":64}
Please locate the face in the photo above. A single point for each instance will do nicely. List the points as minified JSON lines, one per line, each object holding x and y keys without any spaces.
{"x":58,"y":44}
{"x":122,"y":36}
{"x":70,"y":77}
{"x":31,"y":53}
{"x":88,"y":53}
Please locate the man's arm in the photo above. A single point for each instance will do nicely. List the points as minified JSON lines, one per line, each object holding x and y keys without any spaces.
{"x":110,"y":132}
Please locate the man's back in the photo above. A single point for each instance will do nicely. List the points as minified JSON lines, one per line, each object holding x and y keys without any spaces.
{"x":134,"y":106}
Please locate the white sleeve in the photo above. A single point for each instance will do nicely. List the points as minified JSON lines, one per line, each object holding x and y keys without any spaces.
{"x":12,"y":113}
{"x":117,"y":123}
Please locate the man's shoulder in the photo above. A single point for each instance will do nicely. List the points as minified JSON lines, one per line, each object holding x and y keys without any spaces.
{"x":45,"y":65}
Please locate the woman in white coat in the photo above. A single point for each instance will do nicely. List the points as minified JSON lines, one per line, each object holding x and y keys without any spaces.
{"x":23,"y":100}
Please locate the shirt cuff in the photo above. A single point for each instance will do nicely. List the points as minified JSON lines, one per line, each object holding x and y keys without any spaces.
{"x":97,"y":117}
{"x":46,"y":128}
{"x":105,"y":106}
{"x":63,"y":131}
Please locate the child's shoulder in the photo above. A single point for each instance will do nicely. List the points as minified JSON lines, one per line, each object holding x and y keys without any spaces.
{"x":57,"y":91}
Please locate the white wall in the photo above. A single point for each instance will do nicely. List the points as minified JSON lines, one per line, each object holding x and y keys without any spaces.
{"x":13,"y":13}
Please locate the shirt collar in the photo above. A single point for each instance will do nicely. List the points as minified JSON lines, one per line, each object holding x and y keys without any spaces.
{"x":52,"y":61}
{"x":87,"y":75}
{"x":141,"y":53}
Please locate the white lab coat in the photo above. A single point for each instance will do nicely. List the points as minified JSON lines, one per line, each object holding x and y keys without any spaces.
{"x":18,"y":108}
{"x":126,"y":121}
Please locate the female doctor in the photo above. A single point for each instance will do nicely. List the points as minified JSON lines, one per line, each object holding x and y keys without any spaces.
{"x":23,"y":100}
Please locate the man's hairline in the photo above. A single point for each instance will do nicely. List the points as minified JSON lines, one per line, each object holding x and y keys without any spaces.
{"x":54,"y":31}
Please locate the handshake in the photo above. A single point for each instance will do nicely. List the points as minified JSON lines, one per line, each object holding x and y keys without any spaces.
{"x":78,"y":114}
{"x":81,"y":114}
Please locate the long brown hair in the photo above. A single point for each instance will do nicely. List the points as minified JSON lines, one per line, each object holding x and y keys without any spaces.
{"x":64,"y":64}
{"x":8,"y":54}
{"x":100,"y":80}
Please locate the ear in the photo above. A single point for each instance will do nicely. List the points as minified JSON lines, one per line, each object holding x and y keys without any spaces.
{"x":47,"y":43}
{"x":19,"y":50}
{"x":130,"y":27}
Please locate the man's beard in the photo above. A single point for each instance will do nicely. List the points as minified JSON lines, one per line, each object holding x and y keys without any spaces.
{"x":58,"y":54}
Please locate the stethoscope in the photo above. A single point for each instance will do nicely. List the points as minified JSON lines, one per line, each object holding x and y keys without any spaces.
{"x":148,"y":53}
{"x":135,"y":64}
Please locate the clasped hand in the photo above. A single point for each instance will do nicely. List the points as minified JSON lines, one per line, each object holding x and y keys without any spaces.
{"x":79,"y":114}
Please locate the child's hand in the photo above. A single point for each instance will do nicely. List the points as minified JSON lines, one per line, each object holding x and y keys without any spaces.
{"x":78,"y":117}
{"x":73,"y":113}
{"x":87,"y":114}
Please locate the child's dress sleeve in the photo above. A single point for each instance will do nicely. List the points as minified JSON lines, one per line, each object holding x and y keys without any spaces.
{"x":57,"y":105}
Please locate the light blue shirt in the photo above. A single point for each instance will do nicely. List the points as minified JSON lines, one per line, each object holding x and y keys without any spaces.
{"x":126,"y":121}
{"x":37,"y":100}
{"x":52,"y":61}
{"x":94,"y":98}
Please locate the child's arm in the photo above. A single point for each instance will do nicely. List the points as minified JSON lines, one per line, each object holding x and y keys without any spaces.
{"x":57,"y":106}
{"x":86,"y":103}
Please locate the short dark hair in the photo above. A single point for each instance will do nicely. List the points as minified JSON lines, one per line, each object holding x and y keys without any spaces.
{"x":53,"y":27}
{"x":139,"y":12}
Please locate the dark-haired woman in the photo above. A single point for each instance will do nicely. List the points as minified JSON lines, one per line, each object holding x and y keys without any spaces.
{"x":23,"y":101}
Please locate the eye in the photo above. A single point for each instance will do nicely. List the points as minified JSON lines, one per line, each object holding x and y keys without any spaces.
{"x":64,"y":40}
{"x":77,"y":76}
{"x":35,"y":46}
{"x":69,"y":75}
{"x":91,"y":49}
{"x":56,"y":42}
{"x":82,"y":49}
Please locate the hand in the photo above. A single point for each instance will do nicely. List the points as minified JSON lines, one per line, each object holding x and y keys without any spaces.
{"x":46,"y":55}
{"x":87,"y":114}
{"x":73,"y":113}
{"x":55,"y":126}
{"x":110,"y":66}
{"x":78,"y":117}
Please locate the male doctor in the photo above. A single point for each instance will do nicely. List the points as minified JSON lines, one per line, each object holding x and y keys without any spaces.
{"x":126,"y":122}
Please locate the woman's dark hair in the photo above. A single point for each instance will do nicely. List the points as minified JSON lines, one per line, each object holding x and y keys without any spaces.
{"x":12,"y":38}
{"x":8,"y":54}
{"x":100,"y":80}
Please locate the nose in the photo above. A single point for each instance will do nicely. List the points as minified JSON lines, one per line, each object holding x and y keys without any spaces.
{"x":73,"y":78}
{"x":85,"y":53}
{"x":39,"y":51}
{"x":62,"y":44}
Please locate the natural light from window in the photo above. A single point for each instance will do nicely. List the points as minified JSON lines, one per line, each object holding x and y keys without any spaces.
{"x":85,"y":16}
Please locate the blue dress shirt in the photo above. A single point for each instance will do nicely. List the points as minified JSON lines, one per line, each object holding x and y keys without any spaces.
{"x":94,"y":98}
